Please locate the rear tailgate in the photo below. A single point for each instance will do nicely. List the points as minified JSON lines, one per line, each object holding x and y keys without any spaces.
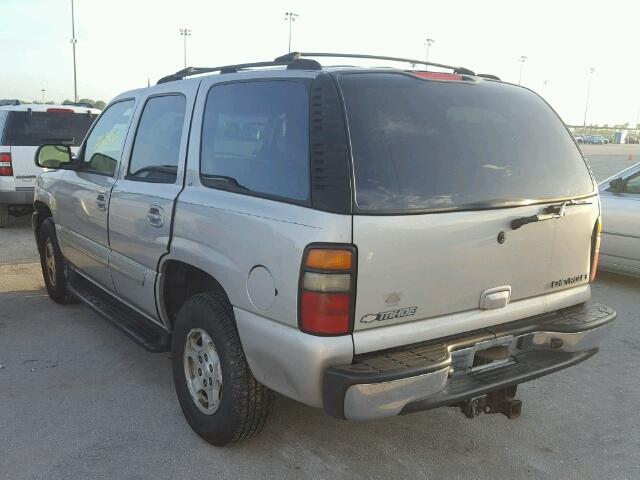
{"x":441,"y":169}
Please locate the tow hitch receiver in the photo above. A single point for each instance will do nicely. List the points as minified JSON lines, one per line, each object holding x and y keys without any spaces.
{"x":499,"y":401}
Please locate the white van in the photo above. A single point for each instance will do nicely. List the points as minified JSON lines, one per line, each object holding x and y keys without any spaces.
{"x":22,"y":129}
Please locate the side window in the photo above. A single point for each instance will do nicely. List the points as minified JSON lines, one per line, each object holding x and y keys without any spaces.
{"x":103,"y":148}
{"x":633,"y":185}
{"x":255,"y":138}
{"x":156,"y":147}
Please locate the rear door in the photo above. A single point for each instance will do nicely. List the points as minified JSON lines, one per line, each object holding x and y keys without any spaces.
{"x":441,"y":169}
{"x":25,"y":130}
{"x":140,"y":213}
{"x":83,"y":196}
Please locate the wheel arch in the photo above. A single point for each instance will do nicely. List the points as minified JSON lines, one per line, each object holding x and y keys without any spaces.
{"x":179,"y":280}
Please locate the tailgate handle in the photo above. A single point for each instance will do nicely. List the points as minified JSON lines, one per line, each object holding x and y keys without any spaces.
{"x":495,"y":298}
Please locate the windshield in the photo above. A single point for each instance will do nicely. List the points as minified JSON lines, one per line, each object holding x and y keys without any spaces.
{"x":38,"y":128}
{"x":432,"y":145}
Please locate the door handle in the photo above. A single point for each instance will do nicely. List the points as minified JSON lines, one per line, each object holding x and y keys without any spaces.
{"x":155,"y":216}
{"x":101,"y":202}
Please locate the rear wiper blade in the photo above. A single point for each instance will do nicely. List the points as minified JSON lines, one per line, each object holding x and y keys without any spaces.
{"x":553,"y":212}
{"x":224,"y":178}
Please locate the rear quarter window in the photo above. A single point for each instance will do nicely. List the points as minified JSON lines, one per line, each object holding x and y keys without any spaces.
{"x":255,"y":139}
{"x":433,"y":145}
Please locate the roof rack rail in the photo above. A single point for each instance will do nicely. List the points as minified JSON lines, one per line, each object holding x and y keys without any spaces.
{"x":295,"y":60}
{"x":296,"y":55}
{"x":295,"y":64}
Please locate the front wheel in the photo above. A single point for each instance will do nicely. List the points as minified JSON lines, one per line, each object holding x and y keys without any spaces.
{"x":53,"y":265}
{"x":219,"y":396}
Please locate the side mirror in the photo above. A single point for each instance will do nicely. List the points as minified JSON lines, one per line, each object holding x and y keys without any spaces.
{"x":54,"y":156}
{"x":616,"y":185}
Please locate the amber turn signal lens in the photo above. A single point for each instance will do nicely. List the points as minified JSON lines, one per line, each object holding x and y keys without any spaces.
{"x":328,"y":259}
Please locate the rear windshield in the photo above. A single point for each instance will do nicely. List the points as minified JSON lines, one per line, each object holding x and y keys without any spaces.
{"x":38,"y":128}
{"x":439,"y":145}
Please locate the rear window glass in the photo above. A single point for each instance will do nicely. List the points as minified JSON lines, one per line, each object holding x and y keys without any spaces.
{"x":427,"y":145}
{"x":38,"y":128}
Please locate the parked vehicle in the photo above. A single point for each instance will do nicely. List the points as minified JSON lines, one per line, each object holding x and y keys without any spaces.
{"x":22,"y":129}
{"x":579,"y":138}
{"x":367,"y":241}
{"x":620,"y":196}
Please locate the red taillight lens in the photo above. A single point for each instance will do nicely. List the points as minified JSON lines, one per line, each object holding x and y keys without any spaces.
{"x":325,"y":313}
{"x":6,"y":169}
{"x":327,"y":290}
{"x":595,"y":249}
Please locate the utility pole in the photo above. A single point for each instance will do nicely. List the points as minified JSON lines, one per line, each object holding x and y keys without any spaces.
{"x":42,"y":90}
{"x":290,"y":17}
{"x":185,"y":32}
{"x":586,"y":104}
{"x":428,"y":42}
{"x":522,"y":59}
{"x":73,"y":44}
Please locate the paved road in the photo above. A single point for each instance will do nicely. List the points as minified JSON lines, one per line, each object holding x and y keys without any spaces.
{"x":79,"y":400}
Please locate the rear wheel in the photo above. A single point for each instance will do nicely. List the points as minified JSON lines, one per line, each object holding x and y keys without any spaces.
{"x":219,"y":396}
{"x":4,"y":215}
{"x":54,"y":268}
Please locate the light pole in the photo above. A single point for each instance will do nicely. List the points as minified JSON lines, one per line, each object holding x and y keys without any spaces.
{"x":185,"y":32}
{"x":73,"y":44}
{"x":290,"y":17}
{"x":586,"y":103}
{"x":522,"y":59}
{"x":42,"y":90}
{"x":428,"y":42}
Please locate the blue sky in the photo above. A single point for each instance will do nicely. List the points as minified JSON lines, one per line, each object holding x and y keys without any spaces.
{"x":122,"y":43}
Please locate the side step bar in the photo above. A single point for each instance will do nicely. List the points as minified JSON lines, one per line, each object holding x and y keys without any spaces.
{"x":134,"y":325}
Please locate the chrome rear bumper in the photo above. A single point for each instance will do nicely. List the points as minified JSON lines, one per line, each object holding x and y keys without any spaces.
{"x":420,"y":377}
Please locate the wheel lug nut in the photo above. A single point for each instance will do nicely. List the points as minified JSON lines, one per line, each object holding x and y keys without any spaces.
{"x":210,"y":368}
{"x":205,"y":357}
{"x":200,"y":371}
{"x":199,"y":358}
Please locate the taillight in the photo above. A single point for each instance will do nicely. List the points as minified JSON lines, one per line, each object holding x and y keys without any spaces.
{"x":327,"y":288}
{"x":6,"y":170}
{"x":595,"y":249}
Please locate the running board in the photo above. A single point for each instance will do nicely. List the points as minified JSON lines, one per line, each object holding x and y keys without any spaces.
{"x":134,"y":325}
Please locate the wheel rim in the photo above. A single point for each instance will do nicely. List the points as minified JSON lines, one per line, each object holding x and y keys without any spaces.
{"x":50,"y":262}
{"x":202,"y":371}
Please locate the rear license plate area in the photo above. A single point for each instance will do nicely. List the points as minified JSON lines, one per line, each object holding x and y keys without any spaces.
{"x":492,"y":353}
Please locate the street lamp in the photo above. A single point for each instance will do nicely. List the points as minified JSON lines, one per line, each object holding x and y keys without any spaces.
{"x":428,"y":42}
{"x":522,"y":59}
{"x":73,"y":45}
{"x":586,"y":104}
{"x":290,"y":17}
{"x":185,"y":32}
{"x":42,"y":90}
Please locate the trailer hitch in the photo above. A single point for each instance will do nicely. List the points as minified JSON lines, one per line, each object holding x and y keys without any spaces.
{"x":498,"y":401}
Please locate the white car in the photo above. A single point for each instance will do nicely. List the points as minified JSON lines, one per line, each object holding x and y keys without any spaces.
{"x":22,"y":129}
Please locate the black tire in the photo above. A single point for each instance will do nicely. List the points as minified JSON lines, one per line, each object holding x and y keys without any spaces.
{"x":244,"y":402}
{"x":4,"y":215}
{"x":57,"y":284}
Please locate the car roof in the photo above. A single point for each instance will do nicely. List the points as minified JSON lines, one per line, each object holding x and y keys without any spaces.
{"x":38,"y":107}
